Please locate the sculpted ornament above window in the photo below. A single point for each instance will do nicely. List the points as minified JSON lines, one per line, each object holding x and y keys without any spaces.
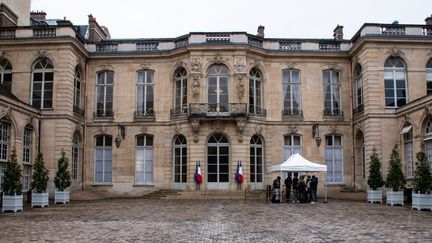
{"x":239,"y":66}
{"x":196,"y":65}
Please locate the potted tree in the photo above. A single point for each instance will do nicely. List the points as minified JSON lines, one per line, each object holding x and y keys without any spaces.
{"x":62,"y":180}
{"x":12,"y":186}
{"x":421,"y":197}
{"x":39,"y":183}
{"x":395,"y":180}
{"x":375,"y":180}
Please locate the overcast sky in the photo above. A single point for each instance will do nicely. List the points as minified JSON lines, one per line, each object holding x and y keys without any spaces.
{"x":281,"y":18}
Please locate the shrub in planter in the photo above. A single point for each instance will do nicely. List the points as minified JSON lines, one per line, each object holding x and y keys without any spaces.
{"x":375,"y":180}
{"x":62,"y":180}
{"x":39,"y":183}
{"x":421,"y":197}
{"x":12,"y":186}
{"x":395,"y":179}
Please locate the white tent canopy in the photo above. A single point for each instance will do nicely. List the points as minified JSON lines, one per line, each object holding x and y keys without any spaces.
{"x":298,"y":164}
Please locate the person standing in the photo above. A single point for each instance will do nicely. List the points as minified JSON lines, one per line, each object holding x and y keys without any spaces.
{"x":313,"y":188}
{"x":276,"y":187}
{"x":295,"y":182}
{"x":288,"y":182}
{"x":308,"y":196}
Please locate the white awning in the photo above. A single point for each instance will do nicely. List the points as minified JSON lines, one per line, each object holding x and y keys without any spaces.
{"x":406,"y":129}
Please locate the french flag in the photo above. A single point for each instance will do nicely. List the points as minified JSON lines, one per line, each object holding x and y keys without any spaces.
{"x":239,"y":174}
{"x":198,"y":175}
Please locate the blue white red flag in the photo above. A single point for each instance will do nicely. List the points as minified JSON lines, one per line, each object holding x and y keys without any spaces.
{"x":239,"y":174}
{"x":198,"y":175}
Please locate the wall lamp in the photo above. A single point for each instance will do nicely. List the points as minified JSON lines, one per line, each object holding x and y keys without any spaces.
{"x":121,"y":133}
{"x":315,"y":134}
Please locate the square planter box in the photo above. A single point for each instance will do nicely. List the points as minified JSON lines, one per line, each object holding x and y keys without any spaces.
{"x":12,"y":203}
{"x":61,"y":197}
{"x":395,"y":197}
{"x":39,"y":199}
{"x":421,"y":201}
{"x":374,"y":196}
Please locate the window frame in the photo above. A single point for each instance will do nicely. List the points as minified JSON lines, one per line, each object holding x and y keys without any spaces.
{"x":334,"y":97}
{"x":333,"y":148}
{"x":180,"y":143}
{"x":43,"y":71}
{"x":145,"y":148}
{"x":75,"y":158}
{"x":105,"y":148}
{"x":27,"y":145}
{"x":144,"y":109}
{"x":105,"y":112}
{"x":255,"y":91}
{"x":293,"y":148}
{"x":429,"y":77}
{"x":5,"y":137}
{"x":291,"y":83}
{"x":223,"y":72}
{"x":253,"y":144}
{"x":5,"y":71}
{"x":181,"y":76}
{"x":394,"y":70}
{"x":77,"y":89}
{"x":358,"y":88}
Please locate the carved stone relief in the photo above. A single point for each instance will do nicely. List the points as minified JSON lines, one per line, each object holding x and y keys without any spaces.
{"x":195,"y":130}
{"x":178,"y":129}
{"x":240,"y":86}
{"x":145,"y":66}
{"x":196,"y":65}
{"x":258,"y":129}
{"x":292,"y":129}
{"x":395,"y":52}
{"x":239,"y":66}
{"x":196,"y":87}
{"x":241,"y":124}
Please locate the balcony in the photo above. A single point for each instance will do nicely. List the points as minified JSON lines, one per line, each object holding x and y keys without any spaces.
{"x":218,"y":38}
{"x":205,"y":110}
{"x":358,"y":109}
{"x":7,"y":33}
{"x":288,"y":46}
{"x":147,"y":46}
{"x":144,"y":114}
{"x":103,"y":115}
{"x":106,"y":47}
{"x":77,"y":110}
{"x":334,"y":113}
{"x":257,"y":111}
{"x":292,"y":114}
{"x":45,"y":32}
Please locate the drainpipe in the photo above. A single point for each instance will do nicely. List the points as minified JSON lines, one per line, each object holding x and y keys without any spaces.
{"x":84,"y":131}
{"x":353,"y":132}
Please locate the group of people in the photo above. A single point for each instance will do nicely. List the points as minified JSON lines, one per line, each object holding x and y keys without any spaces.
{"x":304,"y":189}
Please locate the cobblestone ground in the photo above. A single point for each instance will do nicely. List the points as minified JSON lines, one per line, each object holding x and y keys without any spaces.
{"x":137,"y":220}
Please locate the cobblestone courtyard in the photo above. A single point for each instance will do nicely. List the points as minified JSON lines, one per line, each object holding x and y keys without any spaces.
{"x":126,"y":220}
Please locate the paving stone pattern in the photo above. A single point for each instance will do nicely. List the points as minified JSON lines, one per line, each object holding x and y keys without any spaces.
{"x":138,"y":220}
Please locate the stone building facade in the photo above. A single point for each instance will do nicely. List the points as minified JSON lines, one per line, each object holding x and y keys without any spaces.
{"x":135,"y":116}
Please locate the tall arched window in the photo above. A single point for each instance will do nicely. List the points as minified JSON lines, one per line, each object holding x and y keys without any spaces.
{"x":292,"y":145}
{"x":428,"y":142}
{"x":292,"y":92}
{"x":218,"y":162}
{"x":6,"y":73}
{"x":180,"y":161}
{"x":145,"y":93}
{"x":42,"y":88}
{"x":334,"y":158}
{"x":5,"y":128}
{"x":27,"y":157}
{"x":104,"y":94}
{"x":75,"y":157}
{"x":255,"y":92}
{"x":358,"y":89}
{"x":103,"y":159}
{"x":144,"y":159}
{"x":180,"y":92}
{"x":408,"y":142}
{"x":429,"y":77}
{"x":77,"y":90}
{"x":217,"y":88}
{"x":256,"y":162}
{"x":332,"y":96}
{"x":395,"y":82}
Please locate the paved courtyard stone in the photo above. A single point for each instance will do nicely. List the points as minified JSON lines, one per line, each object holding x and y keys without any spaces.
{"x":144,"y":220}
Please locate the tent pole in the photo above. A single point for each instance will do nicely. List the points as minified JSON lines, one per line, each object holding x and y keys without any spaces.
{"x":325,"y":196}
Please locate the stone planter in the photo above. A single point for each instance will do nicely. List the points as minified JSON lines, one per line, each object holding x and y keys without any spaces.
{"x":374,"y":196}
{"x":395,"y":197}
{"x":421,"y":201}
{"x":39,"y":199}
{"x":61,"y":197}
{"x":12,"y":203}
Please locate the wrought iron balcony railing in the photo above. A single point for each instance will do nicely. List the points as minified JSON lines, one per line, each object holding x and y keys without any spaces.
{"x":257,"y":111}
{"x":101,"y":114}
{"x":333,"y":113}
{"x":292,"y":112}
{"x":144,"y":114}
{"x":358,"y":109}
{"x":178,"y":111}
{"x":217,"y":110}
{"x":78,"y":110}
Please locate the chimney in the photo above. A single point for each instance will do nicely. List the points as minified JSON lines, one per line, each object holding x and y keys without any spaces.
{"x":338,"y":33}
{"x":260,"y":31}
{"x":428,"y":20}
{"x":38,"y":15}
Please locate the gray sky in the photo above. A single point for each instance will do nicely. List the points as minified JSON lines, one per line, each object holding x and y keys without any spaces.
{"x":281,"y":18}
